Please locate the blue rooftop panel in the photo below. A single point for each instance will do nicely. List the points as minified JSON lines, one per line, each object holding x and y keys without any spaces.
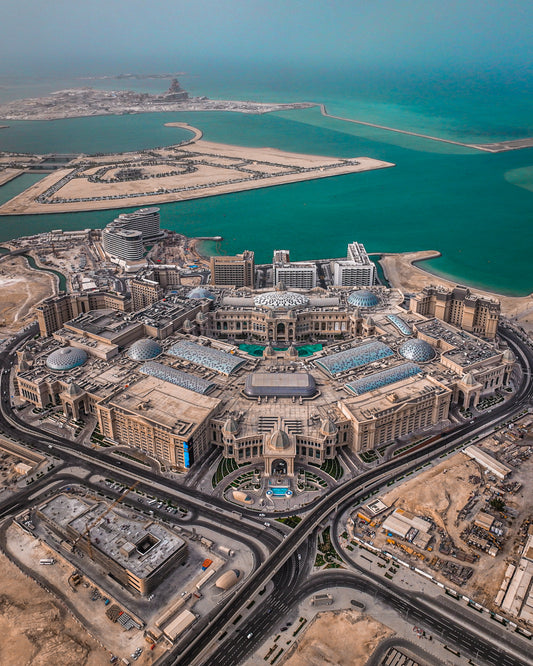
{"x":379,"y":379}
{"x":400,"y":324}
{"x":177,"y":377}
{"x":354,"y":357}
{"x":363,"y":298}
{"x":214,"y":359}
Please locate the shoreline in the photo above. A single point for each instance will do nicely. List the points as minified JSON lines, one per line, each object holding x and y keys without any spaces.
{"x":199,"y":169}
{"x":403,"y":271}
{"x":493,"y":147}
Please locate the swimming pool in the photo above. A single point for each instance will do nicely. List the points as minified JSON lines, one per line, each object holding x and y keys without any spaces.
{"x":257,"y":350}
{"x":279,"y":491}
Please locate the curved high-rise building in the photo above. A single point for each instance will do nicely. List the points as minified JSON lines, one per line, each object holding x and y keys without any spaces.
{"x":125,"y":244}
{"x":145,"y":220}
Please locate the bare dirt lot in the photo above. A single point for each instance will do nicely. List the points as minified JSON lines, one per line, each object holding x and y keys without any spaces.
{"x":339,"y":637}
{"x":21,"y":288}
{"x":36,"y":630}
{"x":440,"y":493}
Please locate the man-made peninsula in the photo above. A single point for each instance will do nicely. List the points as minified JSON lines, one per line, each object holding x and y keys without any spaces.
{"x":190,"y":170}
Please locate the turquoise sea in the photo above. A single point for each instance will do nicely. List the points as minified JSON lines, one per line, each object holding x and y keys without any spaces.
{"x":475,"y":208}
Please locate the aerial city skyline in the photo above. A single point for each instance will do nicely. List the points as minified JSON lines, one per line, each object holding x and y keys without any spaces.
{"x":266,"y":333}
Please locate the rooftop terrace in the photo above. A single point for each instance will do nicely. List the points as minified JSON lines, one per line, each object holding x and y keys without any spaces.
{"x":463,"y":349}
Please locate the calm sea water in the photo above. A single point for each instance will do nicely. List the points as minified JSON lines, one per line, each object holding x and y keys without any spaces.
{"x":475,"y":208}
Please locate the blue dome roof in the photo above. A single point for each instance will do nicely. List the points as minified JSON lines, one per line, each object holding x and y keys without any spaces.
{"x":200,"y":292}
{"x":66,"y":358}
{"x":417,"y":350}
{"x":144,"y":350}
{"x":363,"y":299}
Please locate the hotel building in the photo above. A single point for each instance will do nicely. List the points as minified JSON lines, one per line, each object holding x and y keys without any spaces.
{"x":460,"y":307}
{"x":237,"y":271}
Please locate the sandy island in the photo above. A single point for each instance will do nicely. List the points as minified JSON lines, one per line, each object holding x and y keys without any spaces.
{"x":192,"y":169}
{"x":401,"y":273}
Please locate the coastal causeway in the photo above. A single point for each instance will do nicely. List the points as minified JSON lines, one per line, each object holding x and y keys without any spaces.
{"x":496,"y":147}
{"x":190,"y":170}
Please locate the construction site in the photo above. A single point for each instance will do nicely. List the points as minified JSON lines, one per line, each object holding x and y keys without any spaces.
{"x":463,"y":521}
{"x":136,"y":582}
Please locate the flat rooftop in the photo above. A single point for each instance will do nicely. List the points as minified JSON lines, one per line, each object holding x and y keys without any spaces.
{"x":176,"y":407}
{"x":135,"y":543}
{"x":365,"y":406}
{"x":108,"y":324}
{"x":283,"y":384}
{"x":163,"y":312}
{"x":465,"y":349}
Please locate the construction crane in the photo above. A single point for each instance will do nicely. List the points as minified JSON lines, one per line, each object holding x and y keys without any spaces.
{"x":85,"y":535}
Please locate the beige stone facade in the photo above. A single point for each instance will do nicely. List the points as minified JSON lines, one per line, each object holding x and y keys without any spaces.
{"x":165,"y":421}
{"x":395,"y":411}
{"x":275,"y":408}
{"x":459,"y":307}
{"x":236,"y":271}
{"x":53,"y":312}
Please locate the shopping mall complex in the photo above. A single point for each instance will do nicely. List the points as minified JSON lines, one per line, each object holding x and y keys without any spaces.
{"x":271,"y":377}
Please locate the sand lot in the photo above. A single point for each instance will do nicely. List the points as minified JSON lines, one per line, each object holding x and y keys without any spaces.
{"x":21,"y":289}
{"x":36,"y":630}
{"x":441,"y":492}
{"x":339,"y":637}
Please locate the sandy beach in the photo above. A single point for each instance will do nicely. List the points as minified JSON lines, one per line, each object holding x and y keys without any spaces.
{"x":401,"y":273}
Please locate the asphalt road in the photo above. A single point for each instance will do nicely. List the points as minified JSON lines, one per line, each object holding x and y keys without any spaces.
{"x":278,"y":564}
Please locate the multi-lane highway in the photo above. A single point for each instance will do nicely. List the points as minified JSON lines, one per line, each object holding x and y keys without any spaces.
{"x":281,"y":566}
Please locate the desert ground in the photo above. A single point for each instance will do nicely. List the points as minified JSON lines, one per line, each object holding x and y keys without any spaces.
{"x":440,"y":493}
{"x":22,"y":288}
{"x":36,"y":630}
{"x":339,"y":637}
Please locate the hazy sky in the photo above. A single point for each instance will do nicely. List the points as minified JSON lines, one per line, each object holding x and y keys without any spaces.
{"x":113,"y":35}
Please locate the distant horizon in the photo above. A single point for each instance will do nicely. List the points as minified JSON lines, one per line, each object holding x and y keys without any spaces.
{"x":64,"y":38}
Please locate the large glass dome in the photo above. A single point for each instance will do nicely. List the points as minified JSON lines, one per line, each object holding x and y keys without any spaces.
{"x":363,"y":299}
{"x":144,"y":350}
{"x":417,"y":350}
{"x":200,"y":292}
{"x":281,"y":300}
{"x":66,"y":358}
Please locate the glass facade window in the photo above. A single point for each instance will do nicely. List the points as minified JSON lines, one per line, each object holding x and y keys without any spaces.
{"x":66,"y":358}
{"x":214,"y":359}
{"x":177,"y":377}
{"x":144,"y":350}
{"x":417,"y":350}
{"x":355,"y":357}
{"x":379,"y":379}
{"x":363,"y":298}
{"x":284,"y":300}
{"x":200,"y":292}
{"x":400,"y":324}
